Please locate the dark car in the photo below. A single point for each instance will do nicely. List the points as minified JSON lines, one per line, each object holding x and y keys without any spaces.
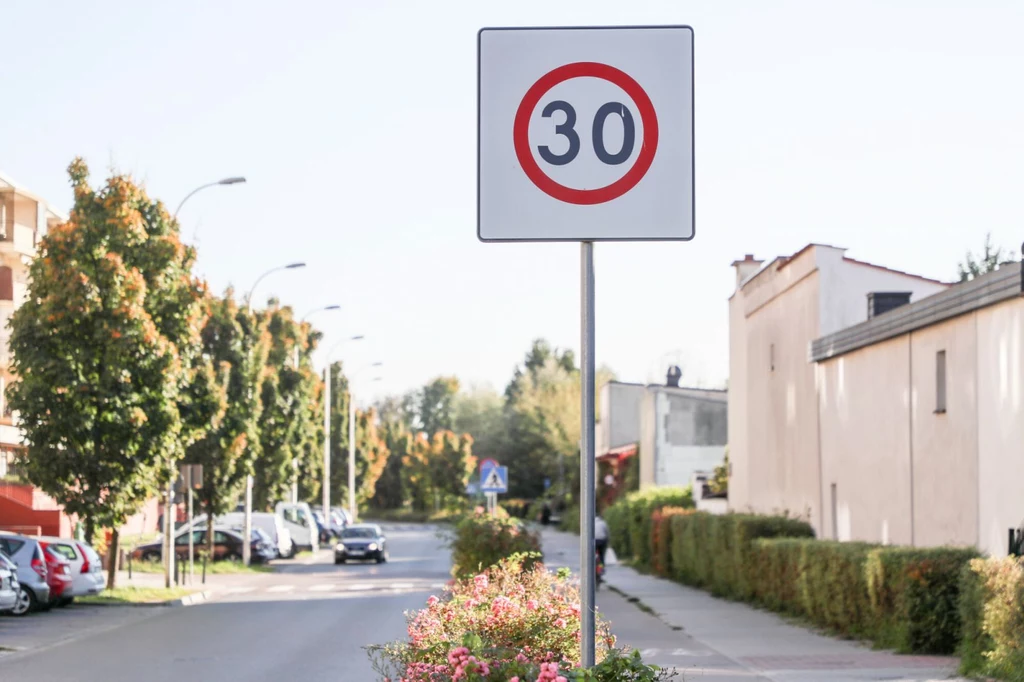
{"x":227,"y":544}
{"x":361,"y":542}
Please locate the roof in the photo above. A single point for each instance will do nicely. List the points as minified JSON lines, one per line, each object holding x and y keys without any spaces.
{"x":1004,"y":284}
{"x":8,"y":183}
{"x":783,"y":261}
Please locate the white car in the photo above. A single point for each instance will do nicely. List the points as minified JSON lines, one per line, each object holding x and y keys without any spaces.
{"x":298,"y":519}
{"x":86,"y":567}
{"x":271,"y":524}
{"x":9,"y":586}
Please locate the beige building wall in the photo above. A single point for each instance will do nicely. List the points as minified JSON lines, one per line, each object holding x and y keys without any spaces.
{"x":865,"y":444}
{"x":1001,"y":417}
{"x":945,"y":445}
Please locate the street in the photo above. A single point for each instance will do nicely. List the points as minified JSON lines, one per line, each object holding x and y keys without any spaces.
{"x":307,"y":621}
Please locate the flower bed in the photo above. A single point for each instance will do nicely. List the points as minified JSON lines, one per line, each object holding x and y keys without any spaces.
{"x":480,"y":541}
{"x":511,"y":623}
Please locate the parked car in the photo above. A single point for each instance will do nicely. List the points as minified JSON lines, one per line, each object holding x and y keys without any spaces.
{"x":86,"y":568}
{"x":58,"y":575}
{"x":361,"y":542}
{"x":271,"y":524}
{"x":323,"y":528}
{"x":9,"y":586}
{"x":27,"y":554}
{"x":227,"y":545}
{"x":298,"y":519}
{"x":340,"y":519}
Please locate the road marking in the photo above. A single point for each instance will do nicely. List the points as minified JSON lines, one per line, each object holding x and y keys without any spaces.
{"x":402,"y":586}
{"x":322,"y":588}
{"x":437,"y":586}
{"x":281,"y":588}
{"x":358,"y":588}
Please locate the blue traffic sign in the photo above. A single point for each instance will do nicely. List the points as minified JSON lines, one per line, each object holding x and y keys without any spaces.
{"x":493,"y":478}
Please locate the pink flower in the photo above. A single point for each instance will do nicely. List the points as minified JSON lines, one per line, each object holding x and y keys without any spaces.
{"x":432,"y":600}
{"x":532,"y":604}
{"x":560,"y":622}
{"x":481,"y":581}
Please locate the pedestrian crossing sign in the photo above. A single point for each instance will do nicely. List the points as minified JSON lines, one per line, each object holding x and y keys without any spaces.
{"x":494,"y":478}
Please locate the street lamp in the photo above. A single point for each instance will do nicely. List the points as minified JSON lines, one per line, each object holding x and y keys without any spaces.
{"x":226,"y":181}
{"x":247,"y":523}
{"x":314,"y":311}
{"x":352,"y":438}
{"x":168,"y":544}
{"x":326,"y":494}
{"x":290,"y":266}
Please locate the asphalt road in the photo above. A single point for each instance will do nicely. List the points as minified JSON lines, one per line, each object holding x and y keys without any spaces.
{"x":309,"y":621}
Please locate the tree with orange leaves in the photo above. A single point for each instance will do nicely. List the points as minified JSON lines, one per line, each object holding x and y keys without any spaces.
{"x":112,"y":385}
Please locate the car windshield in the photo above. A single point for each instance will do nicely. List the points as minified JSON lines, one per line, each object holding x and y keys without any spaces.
{"x":363,"y":533}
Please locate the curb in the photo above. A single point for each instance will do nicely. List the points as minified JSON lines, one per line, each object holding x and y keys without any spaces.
{"x":187,"y":600}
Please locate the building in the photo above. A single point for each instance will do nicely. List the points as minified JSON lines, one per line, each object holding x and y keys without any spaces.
{"x":922,"y":421}
{"x":775,"y":313}
{"x":673,"y":431}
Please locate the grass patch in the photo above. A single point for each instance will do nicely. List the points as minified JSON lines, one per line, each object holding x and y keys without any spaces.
{"x":137,"y":595}
{"x":214,"y":568}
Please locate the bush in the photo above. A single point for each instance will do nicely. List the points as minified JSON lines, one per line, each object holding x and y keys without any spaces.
{"x":776,"y":580}
{"x":570,"y":520}
{"x":714,"y":552}
{"x":832,"y":586}
{"x":992,"y":612}
{"x":661,"y":539}
{"x":630,"y":520}
{"x":512,"y":618}
{"x":482,"y":541}
{"x":915,"y":596}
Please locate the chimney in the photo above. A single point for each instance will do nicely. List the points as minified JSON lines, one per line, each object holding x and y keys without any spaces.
{"x":673,"y":377}
{"x":880,"y":302}
{"x":746,"y":267}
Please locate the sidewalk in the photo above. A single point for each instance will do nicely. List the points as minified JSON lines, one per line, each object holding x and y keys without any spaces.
{"x":757,"y":645}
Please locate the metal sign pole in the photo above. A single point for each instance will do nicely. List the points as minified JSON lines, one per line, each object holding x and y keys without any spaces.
{"x":191,"y":541}
{"x":587,"y":487}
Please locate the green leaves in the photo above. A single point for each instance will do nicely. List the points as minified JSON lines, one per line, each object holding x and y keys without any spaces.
{"x":105,"y":349}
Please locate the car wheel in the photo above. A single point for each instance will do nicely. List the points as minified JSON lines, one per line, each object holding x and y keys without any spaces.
{"x":26,"y":602}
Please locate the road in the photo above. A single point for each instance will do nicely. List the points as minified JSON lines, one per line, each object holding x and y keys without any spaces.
{"x":309,"y":621}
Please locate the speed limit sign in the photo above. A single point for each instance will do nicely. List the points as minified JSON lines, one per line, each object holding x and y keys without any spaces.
{"x":585,"y":134}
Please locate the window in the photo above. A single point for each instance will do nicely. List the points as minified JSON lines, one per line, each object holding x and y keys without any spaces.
{"x":220,"y":538}
{"x":940,"y":382}
{"x":771,"y":357}
{"x":66,"y":551}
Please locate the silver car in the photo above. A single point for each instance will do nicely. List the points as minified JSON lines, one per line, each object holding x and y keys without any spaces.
{"x":9,"y":586}
{"x":86,"y":569}
{"x":27,"y":554}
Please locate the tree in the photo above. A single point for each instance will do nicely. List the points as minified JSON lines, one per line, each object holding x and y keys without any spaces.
{"x":437,"y":405}
{"x":992,"y":258}
{"x":719,"y":483}
{"x":371,"y":447}
{"x":436,"y":470}
{"x":105,"y":349}
{"x":287,"y":424}
{"x":389,"y":492}
{"x":479,"y":412}
{"x":237,"y":345}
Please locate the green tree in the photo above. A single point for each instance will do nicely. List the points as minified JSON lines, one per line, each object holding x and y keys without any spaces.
{"x":436,"y":470}
{"x":237,"y":345}
{"x":371,"y":447}
{"x":480,"y":413}
{"x":992,"y":258}
{"x":106,"y":348}
{"x":287,"y":424}
{"x":437,"y":405}
{"x":390,"y":492}
{"x":719,"y":483}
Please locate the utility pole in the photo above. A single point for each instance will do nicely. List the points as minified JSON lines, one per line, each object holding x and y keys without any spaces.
{"x":327,"y":442}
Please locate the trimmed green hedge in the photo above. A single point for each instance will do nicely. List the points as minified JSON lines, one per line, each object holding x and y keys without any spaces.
{"x":992,"y":616}
{"x":630,"y":520}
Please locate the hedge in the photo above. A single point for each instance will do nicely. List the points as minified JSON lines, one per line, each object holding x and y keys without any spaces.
{"x":992,"y":616}
{"x":481,"y":541}
{"x":915,"y":596}
{"x":714,"y":552}
{"x":630,"y":520}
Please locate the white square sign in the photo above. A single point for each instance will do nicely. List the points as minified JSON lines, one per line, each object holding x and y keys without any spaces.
{"x":585,"y":134}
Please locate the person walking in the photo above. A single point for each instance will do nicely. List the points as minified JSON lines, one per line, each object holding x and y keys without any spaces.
{"x":600,"y":537}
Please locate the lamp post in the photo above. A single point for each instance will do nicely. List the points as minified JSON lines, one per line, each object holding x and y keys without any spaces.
{"x":326,"y":494}
{"x":314,"y":311}
{"x":247,"y":522}
{"x":352,"y":439}
{"x":167,"y":548}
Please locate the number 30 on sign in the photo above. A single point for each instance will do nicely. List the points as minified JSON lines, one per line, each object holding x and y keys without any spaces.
{"x":585,"y":134}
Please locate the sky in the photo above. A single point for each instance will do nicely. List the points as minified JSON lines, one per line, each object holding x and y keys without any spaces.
{"x":888,"y":128}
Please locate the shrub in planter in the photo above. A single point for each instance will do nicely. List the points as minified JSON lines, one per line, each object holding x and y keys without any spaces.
{"x":915,"y":595}
{"x":480,"y":541}
{"x":506,"y":623}
{"x":992,"y":614}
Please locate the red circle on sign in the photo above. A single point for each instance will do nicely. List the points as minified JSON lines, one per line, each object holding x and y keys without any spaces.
{"x":521,"y":133}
